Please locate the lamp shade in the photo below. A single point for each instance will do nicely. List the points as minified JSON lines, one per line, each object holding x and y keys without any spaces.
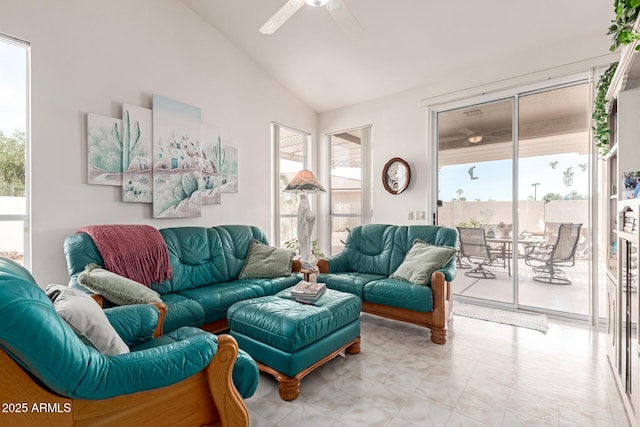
{"x":304,"y":181}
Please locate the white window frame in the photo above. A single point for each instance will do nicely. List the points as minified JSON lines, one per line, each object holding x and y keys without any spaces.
{"x":26,"y":218}
{"x":275,"y":185}
{"x":366,"y":196}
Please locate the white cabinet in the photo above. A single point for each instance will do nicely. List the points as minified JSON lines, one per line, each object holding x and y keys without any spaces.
{"x":623,"y":213}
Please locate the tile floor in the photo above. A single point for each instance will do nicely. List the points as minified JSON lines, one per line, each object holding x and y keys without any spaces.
{"x":488,"y":374}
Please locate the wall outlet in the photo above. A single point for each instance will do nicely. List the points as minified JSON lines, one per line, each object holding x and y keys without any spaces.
{"x":410,"y":216}
{"x":421,"y":215}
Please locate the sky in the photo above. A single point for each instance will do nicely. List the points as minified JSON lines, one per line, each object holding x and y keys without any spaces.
{"x":13,"y":88}
{"x":493,"y":179}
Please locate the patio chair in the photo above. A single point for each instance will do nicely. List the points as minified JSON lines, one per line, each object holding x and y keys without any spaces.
{"x":543,"y":248}
{"x":561,"y":254}
{"x":474,"y":247}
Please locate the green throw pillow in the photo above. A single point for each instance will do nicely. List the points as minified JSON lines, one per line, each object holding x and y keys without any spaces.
{"x":117,"y":289}
{"x":86,"y":318}
{"x":265,"y":262}
{"x":421,"y":261}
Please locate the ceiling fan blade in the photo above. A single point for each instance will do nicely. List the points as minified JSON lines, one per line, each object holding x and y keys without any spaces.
{"x":281,"y":16}
{"x":344,"y":19}
{"x":467,"y":132}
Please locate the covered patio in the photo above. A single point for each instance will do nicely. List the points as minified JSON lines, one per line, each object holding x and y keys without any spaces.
{"x":571,"y":299}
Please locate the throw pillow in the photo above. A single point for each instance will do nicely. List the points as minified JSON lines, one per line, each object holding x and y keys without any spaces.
{"x":421,"y":261}
{"x":265,"y":262}
{"x":117,"y":289}
{"x":87,"y":319}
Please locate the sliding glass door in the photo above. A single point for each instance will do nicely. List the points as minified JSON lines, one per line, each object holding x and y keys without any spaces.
{"x":518,"y":168}
{"x":475,"y":160}
{"x":553,"y":186}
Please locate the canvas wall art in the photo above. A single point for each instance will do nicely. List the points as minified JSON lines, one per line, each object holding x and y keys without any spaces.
{"x":104,"y":152}
{"x":164,"y":155}
{"x":177,"y":159}
{"x":228,"y":162}
{"x":136,"y":154}
{"x":210,"y":185}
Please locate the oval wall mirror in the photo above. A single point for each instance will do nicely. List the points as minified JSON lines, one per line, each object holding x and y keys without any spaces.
{"x":396,"y":175}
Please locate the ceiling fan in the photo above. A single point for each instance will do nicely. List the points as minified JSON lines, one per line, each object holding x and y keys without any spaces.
{"x":336,"y":8}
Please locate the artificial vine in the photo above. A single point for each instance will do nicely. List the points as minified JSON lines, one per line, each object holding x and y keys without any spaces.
{"x":600,"y":115}
{"x":623,"y":34}
{"x":622,"y":28}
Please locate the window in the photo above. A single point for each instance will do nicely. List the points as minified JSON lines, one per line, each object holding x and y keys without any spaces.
{"x":292,"y":155}
{"x":349,"y":183}
{"x":14,"y":225}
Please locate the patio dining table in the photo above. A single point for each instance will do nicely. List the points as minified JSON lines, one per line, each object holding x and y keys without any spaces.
{"x":526,"y":241}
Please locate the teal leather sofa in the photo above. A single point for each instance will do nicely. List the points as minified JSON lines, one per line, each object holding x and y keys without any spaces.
{"x":372,"y":253}
{"x":206,"y":263}
{"x":186,"y":376}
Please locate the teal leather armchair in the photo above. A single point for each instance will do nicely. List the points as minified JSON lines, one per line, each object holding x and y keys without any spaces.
{"x":371,"y":255}
{"x":48,"y":375}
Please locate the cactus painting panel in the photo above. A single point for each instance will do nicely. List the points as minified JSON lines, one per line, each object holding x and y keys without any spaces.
{"x":228,"y":166}
{"x":104,"y":154}
{"x":210,"y":184}
{"x":136,"y":154}
{"x":177,"y":159}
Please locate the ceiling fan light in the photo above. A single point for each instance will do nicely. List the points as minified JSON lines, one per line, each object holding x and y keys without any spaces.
{"x":316,"y":3}
{"x":474,"y":139}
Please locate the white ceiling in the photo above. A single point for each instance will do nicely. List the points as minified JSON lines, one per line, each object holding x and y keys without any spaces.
{"x":405,"y":44}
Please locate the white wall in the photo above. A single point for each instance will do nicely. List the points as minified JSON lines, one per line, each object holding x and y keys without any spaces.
{"x":92,"y":56}
{"x":400,"y":122}
{"x":399,"y":130}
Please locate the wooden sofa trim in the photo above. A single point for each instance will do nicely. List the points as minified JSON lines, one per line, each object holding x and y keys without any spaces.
{"x":161,"y":307}
{"x":323,"y":266}
{"x":206,"y":398}
{"x":217,"y":326}
{"x":163,"y":313}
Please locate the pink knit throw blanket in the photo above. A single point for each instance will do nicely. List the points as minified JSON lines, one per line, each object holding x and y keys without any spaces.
{"x":135,"y":251}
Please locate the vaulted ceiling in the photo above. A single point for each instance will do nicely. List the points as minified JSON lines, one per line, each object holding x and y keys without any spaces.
{"x":405,"y":43}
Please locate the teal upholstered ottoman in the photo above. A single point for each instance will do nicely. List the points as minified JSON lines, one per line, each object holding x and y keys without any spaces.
{"x":289,"y":339}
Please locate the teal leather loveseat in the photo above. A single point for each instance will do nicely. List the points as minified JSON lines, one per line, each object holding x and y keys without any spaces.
{"x":372,"y":253}
{"x":206,"y":263}
{"x":49,"y":376}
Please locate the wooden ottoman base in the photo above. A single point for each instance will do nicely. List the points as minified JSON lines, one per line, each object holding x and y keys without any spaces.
{"x":289,"y":387}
